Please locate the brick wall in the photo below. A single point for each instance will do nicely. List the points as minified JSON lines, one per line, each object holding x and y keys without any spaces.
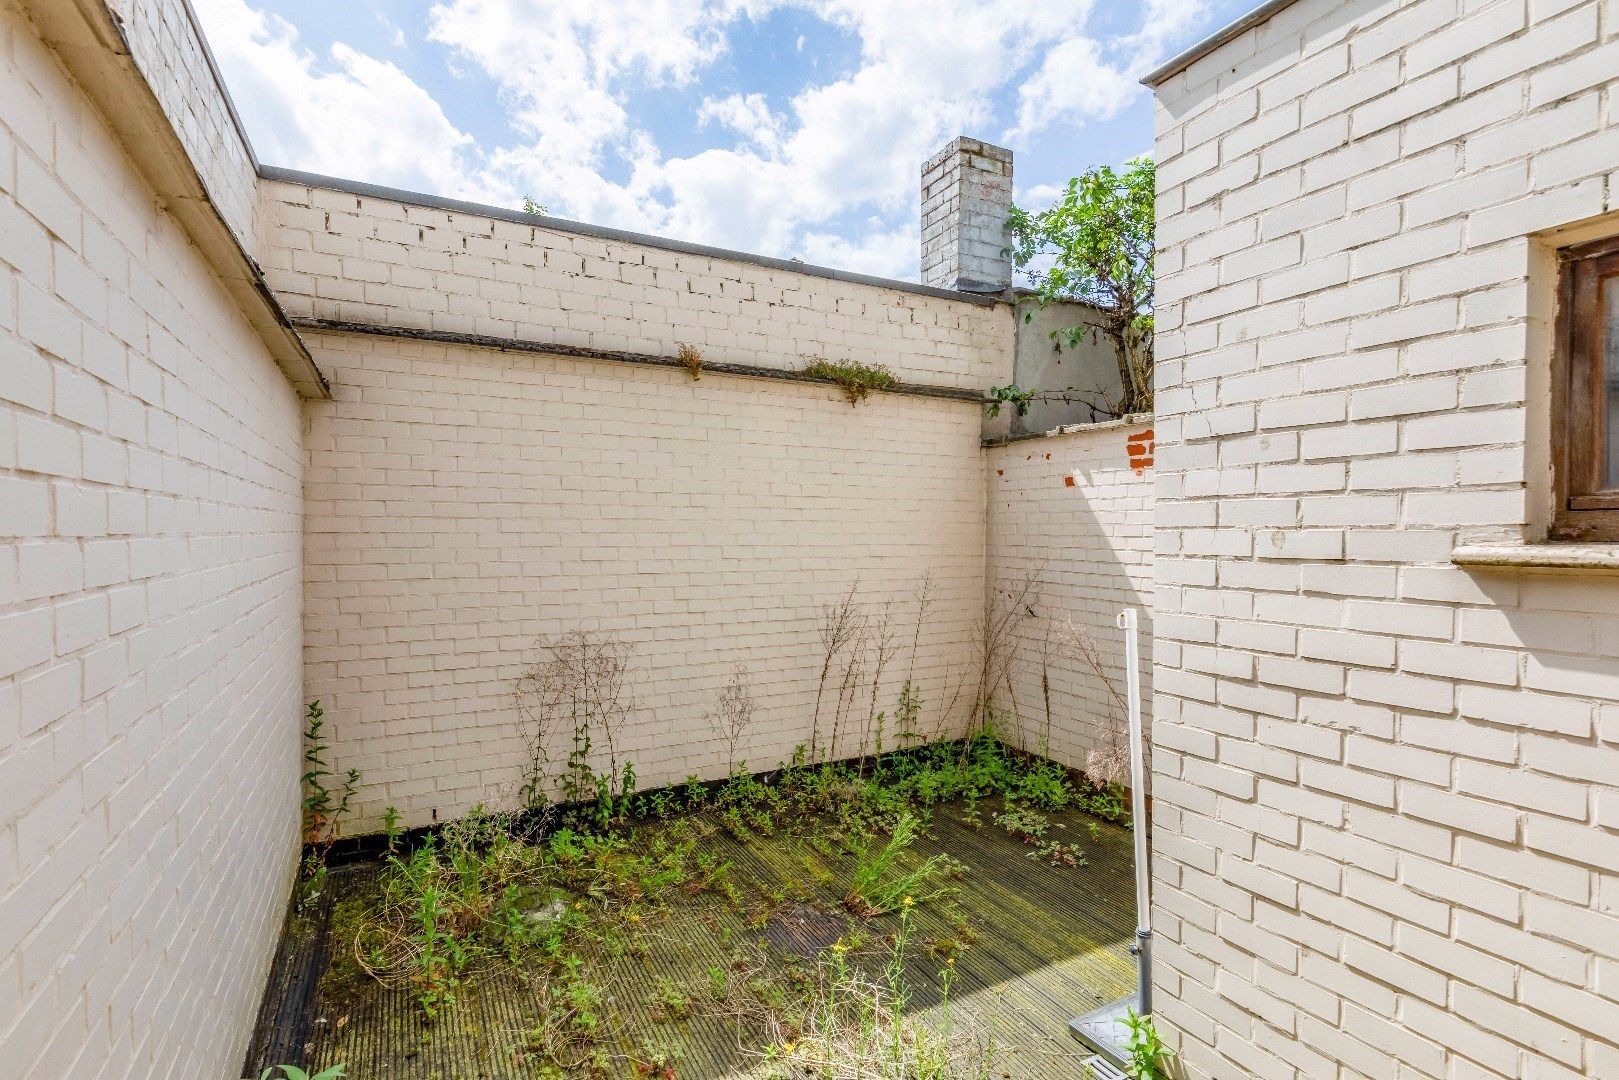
{"x":1385,"y":839}
{"x":150,"y":470}
{"x":1076,"y":510}
{"x":966,"y":200}
{"x":332,"y":254}
{"x":168,"y":47}
{"x":462,"y":502}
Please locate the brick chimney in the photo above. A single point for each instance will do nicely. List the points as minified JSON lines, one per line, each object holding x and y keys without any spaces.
{"x":966,"y":197}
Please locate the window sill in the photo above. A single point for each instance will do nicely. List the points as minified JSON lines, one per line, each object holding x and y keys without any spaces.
{"x":1538,"y":556}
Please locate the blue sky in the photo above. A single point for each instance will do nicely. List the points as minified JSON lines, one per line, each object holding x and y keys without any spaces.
{"x":793,"y":128}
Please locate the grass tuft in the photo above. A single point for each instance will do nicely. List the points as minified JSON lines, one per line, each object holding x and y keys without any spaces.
{"x":857,"y":380}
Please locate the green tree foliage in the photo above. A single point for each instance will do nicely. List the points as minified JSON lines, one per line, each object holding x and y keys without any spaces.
{"x":1099,"y":236}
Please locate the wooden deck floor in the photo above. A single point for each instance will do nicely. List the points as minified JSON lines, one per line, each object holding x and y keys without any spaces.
{"x":1050,"y":943}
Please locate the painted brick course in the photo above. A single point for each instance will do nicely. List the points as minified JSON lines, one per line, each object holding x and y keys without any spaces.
{"x":1381,"y":844}
{"x":462,"y":502}
{"x":334,"y":255}
{"x":168,"y":47}
{"x":150,"y":504}
{"x":1076,"y":508}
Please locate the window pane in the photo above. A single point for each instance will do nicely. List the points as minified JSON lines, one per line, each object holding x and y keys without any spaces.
{"x":1610,"y":379}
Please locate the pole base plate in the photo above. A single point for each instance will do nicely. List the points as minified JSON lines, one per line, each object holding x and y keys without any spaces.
{"x":1103,"y":1030}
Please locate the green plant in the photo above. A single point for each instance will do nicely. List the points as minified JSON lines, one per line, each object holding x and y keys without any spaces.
{"x":292,"y":1072}
{"x":1099,"y":237}
{"x":839,"y":1019}
{"x":323,"y":809}
{"x":532,"y":207}
{"x":718,"y":983}
{"x":1149,"y":1057}
{"x":312,"y":880}
{"x":460,"y":897}
{"x":390,"y":828}
{"x":579,"y":683}
{"x":878,"y":885}
{"x":692,"y":359}
{"x":671,"y":1003}
{"x":856,"y":379}
{"x":1010,"y":394}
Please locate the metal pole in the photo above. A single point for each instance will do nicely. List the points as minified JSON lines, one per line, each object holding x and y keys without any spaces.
{"x":1138,"y":811}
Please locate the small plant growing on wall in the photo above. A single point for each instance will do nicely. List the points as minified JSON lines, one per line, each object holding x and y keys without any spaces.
{"x":857,"y":380}
{"x":1010,"y":394}
{"x":692,"y":359}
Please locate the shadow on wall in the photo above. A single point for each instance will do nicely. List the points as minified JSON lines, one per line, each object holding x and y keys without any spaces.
{"x":1080,"y":376}
{"x":1075,"y":512}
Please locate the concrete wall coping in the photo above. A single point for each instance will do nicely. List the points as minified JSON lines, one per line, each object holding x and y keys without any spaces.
{"x":90,"y":40}
{"x":545,"y":221}
{"x":1133,"y":420}
{"x":1185,"y":59}
{"x":579,"y":352}
{"x":219,"y":82}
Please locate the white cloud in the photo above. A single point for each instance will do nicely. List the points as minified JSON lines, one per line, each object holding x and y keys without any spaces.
{"x":874,"y":250}
{"x":1073,"y":83}
{"x":745,"y":114}
{"x":842,"y":150}
{"x":347,"y":115}
{"x":1039,"y":196}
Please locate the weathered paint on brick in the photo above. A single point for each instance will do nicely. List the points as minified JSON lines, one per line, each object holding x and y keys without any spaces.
{"x":1072,"y":508}
{"x":1379,"y":838}
{"x":151,"y":466}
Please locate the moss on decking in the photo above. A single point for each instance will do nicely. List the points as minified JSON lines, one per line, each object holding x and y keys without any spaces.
{"x":1042,"y":944}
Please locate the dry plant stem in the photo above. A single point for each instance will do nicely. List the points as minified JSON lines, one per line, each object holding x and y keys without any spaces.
{"x":997,"y":638}
{"x":732,"y":717}
{"x":1022,"y":741}
{"x":1111,"y":765}
{"x":838,"y":624}
{"x":949,"y":710}
{"x":910,"y":705}
{"x":692,"y":358}
{"x":882,"y":635}
{"x":1046,"y":646}
{"x":579,"y":680}
{"x":853,"y":675}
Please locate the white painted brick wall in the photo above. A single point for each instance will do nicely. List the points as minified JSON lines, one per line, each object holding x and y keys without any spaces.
{"x":462,"y":502}
{"x":334,"y":255}
{"x":150,"y":471}
{"x":1076,"y":509}
{"x":167,"y":46}
{"x":1384,"y":839}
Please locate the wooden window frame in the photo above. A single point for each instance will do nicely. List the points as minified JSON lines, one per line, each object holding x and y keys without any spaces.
{"x":1586,"y":511}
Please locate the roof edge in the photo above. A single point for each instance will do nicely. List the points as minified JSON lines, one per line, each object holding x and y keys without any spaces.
{"x":546,"y":221}
{"x":1185,"y":59}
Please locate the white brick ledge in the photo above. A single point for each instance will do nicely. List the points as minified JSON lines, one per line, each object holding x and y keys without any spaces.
{"x":1539,"y":556}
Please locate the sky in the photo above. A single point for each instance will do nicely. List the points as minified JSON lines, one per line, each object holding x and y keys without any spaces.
{"x":791,"y":128}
